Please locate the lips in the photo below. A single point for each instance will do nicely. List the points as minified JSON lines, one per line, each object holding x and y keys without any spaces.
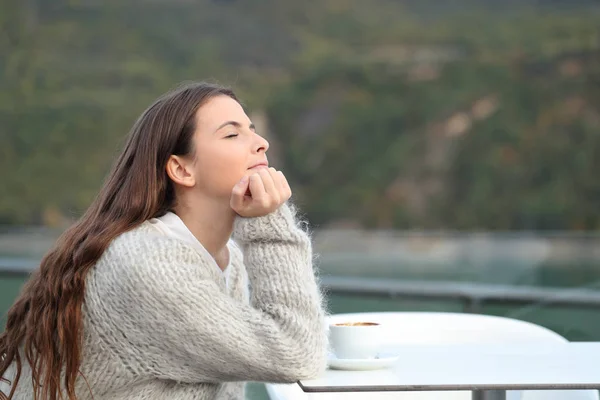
{"x":260,"y":165}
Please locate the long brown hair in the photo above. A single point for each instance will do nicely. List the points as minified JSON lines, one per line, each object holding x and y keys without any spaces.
{"x":45,"y":322}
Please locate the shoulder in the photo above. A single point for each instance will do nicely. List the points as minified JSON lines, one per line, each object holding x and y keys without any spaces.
{"x":145,"y":254}
{"x":147,"y":240}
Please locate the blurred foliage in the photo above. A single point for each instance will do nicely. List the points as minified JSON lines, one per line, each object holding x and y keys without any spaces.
{"x":460,"y":114}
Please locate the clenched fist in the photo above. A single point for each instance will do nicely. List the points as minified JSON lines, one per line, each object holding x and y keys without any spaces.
{"x":260,"y":193}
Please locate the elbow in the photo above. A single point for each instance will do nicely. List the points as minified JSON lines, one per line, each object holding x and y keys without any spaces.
{"x":309,"y":362}
{"x":312,"y":371}
{"x":314,"y":367}
{"x":305,"y":353}
{"x":297,"y":373}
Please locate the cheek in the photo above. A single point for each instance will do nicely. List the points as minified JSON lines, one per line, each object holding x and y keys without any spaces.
{"x":220,"y":168}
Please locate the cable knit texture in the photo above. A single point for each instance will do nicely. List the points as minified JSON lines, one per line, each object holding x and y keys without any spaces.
{"x":160,"y":323}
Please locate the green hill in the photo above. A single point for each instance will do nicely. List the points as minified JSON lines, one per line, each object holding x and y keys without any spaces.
{"x":403,"y":114}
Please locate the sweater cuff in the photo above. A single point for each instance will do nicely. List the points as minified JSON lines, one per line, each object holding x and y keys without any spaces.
{"x":278,"y":225}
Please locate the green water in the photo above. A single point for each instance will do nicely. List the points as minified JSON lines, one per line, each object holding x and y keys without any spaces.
{"x":9,"y":289}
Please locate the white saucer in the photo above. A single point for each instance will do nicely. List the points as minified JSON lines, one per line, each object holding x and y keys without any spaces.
{"x":362,"y":364}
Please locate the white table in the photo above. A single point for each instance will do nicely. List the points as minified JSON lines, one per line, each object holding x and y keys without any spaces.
{"x":485,"y":370}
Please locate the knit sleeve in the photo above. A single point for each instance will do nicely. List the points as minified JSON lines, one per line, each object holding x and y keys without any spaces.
{"x":165,"y":314}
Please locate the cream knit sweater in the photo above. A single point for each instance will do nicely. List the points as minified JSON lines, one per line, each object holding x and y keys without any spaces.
{"x":160,"y":324}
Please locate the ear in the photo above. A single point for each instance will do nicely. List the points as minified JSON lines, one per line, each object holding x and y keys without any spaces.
{"x":180,"y":171}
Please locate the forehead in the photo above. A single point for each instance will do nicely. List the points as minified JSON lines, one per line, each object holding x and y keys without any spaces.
{"x":218,"y":110}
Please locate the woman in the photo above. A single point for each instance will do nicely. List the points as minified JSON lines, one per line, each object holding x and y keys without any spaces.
{"x":145,"y":297}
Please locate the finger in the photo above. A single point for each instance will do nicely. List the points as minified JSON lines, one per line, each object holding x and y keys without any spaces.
{"x":238,"y":193}
{"x":270,"y":188}
{"x":286,"y":186}
{"x":277,"y":179}
{"x":257,"y":189}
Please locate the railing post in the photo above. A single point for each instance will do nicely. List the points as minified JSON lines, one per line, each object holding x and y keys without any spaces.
{"x":473,"y":305}
{"x":488,"y":395}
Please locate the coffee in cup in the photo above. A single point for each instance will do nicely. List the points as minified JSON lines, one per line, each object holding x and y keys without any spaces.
{"x":355,"y":339}
{"x":357,"y":324}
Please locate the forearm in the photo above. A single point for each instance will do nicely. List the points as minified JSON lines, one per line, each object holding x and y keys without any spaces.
{"x":278,"y":257}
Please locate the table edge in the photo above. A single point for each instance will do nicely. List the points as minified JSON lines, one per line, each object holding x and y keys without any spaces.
{"x":432,"y":388}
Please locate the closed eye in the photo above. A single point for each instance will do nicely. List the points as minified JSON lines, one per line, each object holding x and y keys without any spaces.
{"x":231,"y":136}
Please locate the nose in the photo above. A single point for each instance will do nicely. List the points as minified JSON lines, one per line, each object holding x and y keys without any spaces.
{"x":261,"y":144}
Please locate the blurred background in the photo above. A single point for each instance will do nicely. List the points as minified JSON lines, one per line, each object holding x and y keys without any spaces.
{"x":445,"y":152}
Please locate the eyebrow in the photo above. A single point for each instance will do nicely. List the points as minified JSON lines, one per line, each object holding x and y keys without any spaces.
{"x":236,"y":124}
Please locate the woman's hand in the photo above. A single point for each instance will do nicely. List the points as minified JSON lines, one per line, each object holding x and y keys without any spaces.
{"x":260,"y":193}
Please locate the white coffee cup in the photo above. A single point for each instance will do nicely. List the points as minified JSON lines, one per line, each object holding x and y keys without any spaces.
{"x":355,"y":340}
